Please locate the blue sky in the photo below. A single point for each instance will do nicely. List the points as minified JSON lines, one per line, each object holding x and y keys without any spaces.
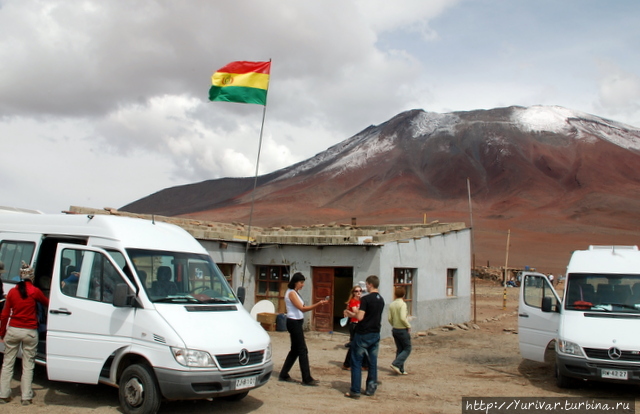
{"x":103,"y":103}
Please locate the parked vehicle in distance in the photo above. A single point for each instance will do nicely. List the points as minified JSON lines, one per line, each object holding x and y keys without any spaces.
{"x":138,"y":305}
{"x":596,"y":326}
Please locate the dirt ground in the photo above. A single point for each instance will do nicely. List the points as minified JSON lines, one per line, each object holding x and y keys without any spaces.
{"x":443,"y":367}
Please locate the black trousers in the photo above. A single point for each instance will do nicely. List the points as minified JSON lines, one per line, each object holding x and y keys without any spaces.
{"x":298,"y":351}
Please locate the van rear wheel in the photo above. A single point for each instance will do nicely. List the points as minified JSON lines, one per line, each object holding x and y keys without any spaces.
{"x":138,"y":390}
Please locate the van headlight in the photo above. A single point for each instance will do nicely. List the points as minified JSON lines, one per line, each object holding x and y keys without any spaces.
{"x":192,"y":357}
{"x":267,"y":353}
{"x":569,"y":348}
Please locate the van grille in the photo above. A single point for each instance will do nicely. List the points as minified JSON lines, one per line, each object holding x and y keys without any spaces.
{"x":233,"y":360}
{"x":599,"y":353}
{"x":159,"y":338}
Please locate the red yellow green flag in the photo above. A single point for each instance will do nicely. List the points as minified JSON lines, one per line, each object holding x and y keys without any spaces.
{"x":243,"y":82}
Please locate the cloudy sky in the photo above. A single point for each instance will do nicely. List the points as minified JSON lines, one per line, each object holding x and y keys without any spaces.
{"x":106,"y":102}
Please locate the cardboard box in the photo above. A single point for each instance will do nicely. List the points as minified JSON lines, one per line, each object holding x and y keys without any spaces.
{"x":268,"y":318}
{"x":268,"y":326}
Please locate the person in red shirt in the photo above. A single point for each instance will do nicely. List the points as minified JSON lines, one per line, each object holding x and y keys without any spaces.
{"x":19,"y":326}
{"x":353,"y":305}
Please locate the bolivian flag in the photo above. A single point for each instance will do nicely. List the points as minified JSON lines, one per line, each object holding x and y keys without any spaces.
{"x":243,"y":82}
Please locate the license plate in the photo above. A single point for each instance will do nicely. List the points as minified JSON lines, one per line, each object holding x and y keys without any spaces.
{"x":614,"y":374}
{"x":245,"y":383}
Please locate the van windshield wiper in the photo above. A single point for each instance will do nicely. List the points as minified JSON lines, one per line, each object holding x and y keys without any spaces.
{"x":179,"y":299}
{"x":624,"y":305}
{"x":219,"y":300}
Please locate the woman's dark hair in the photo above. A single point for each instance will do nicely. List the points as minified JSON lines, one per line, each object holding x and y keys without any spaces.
{"x":22,"y":288}
{"x":297,"y":277}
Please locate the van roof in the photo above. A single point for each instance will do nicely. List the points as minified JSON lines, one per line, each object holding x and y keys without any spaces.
{"x":130,"y":232}
{"x":606,"y":259}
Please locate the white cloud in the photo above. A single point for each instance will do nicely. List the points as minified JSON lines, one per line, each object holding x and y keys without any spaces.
{"x":619,"y":92}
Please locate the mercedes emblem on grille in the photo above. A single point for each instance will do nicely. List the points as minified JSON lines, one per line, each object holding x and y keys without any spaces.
{"x":243,"y":358}
{"x":614,"y":353}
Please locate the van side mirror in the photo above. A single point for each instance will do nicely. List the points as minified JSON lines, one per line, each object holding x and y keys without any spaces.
{"x":547,"y":304}
{"x":123,"y":296}
{"x":242,"y":292}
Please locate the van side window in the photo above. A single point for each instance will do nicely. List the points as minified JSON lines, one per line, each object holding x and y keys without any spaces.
{"x":93,"y":277}
{"x":535,"y":289}
{"x":12,"y":253}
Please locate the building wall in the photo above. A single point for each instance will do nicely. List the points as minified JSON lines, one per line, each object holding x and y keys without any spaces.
{"x":430,"y":256}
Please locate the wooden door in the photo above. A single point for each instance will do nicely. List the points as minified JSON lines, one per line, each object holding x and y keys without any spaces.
{"x":322,"y":287}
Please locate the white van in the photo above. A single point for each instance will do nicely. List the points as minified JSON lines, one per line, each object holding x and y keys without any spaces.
{"x":596,"y":328}
{"x":138,"y":305}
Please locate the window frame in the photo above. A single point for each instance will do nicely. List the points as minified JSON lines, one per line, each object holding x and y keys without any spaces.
{"x":406,"y":276}
{"x":283,"y":274}
{"x":452,"y":276}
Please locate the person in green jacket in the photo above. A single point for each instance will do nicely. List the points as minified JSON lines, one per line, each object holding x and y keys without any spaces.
{"x":401,"y":330}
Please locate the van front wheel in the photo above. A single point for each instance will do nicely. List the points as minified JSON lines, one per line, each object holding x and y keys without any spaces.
{"x":563,"y":381}
{"x":138,"y":390}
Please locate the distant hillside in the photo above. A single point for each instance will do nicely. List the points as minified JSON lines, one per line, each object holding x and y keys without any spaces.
{"x":539,"y":171}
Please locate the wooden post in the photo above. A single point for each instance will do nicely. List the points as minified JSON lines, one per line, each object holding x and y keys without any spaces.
{"x":506,"y":269}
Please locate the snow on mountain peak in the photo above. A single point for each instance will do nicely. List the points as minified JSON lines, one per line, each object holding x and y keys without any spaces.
{"x":426,"y":123}
{"x":543,"y":118}
{"x":561,"y":120}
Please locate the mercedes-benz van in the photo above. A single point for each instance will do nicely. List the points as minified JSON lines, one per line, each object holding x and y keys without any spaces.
{"x":596,"y":326}
{"x":135,"y":304}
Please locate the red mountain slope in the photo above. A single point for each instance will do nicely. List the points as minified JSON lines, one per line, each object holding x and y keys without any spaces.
{"x":558,"y":179}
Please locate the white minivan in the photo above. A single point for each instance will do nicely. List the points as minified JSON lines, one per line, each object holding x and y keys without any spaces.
{"x":596,"y":326}
{"x":135,"y":304}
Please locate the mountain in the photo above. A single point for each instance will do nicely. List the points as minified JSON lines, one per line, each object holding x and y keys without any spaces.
{"x":537,"y":171}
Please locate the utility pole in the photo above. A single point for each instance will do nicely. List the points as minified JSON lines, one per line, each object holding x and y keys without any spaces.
{"x":506,"y":269}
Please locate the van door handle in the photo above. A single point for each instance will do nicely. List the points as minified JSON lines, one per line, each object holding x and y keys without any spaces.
{"x":523,"y":315}
{"x":62,"y":311}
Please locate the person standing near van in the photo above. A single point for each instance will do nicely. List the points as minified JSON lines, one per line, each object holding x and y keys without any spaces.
{"x":1,"y":287}
{"x":295,"y":319}
{"x":19,"y":326}
{"x":400,"y":329}
{"x":366,"y":339}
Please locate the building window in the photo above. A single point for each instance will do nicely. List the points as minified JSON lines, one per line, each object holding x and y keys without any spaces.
{"x":451,"y":281}
{"x":405,"y":277}
{"x":227,"y":271}
{"x":272,"y":285}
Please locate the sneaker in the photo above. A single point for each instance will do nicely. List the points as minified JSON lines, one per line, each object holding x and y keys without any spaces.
{"x":351,"y":395}
{"x":5,"y":400}
{"x":371,"y":389}
{"x":27,"y":402}
{"x":312,"y":383}
{"x":345,"y":368}
{"x":405,"y":373}
{"x":396,"y":369}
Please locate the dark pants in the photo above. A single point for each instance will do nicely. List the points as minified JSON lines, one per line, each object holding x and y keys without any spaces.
{"x":364,"y":344}
{"x":298,"y":351}
{"x":347,"y":359}
{"x":402,"y":338}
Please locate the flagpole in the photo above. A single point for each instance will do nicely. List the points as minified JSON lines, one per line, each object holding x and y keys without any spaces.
{"x":255,"y":184}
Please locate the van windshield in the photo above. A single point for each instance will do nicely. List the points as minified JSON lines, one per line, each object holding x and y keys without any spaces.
{"x":173,"y":277}
{"x":603,"y":292}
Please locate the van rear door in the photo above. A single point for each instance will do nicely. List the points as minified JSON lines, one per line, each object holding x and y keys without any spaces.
{"x":537,"y":328}
{"x":84,"y":327}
